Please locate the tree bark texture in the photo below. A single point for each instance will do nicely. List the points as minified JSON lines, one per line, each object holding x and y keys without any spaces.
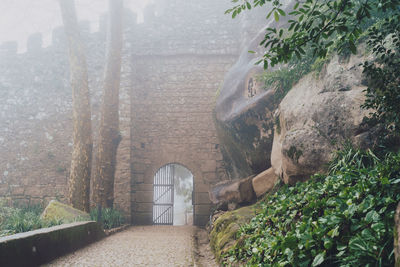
{"x":109,"y":137}
{"x":79,"y":181}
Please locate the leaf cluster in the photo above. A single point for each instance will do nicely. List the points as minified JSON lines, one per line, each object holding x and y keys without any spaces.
{"x":314,"y":23}
{"x":283,"y":79}
{"x":383,"y":75}
{"x":110,"y":218}
{"x":345,"y":218}
{"x":22,"y":219}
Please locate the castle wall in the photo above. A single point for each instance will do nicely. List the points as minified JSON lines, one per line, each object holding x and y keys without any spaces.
{"x":36,"y":115}
{"x":172,"y":103}
{"x":173,"y":66}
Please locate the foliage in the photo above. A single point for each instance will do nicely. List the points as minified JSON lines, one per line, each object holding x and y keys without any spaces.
{"x":110,"y":218}
{"x":343,"y":219}
{"x":383,"y":93}
{"x":314,"y":23}
{"x":318,"y":65}
{"x":22,"y":219}
{"x":282,"y":80}
{"x":324,"y":26}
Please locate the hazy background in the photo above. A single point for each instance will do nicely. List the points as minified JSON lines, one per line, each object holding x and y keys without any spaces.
{"x":20,"y":18}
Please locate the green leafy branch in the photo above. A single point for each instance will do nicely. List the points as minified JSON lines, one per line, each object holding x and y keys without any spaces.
{"x":314,"y":23}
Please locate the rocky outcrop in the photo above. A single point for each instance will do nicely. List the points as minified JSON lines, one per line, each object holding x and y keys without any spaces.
{"x":264,"y":182}
{"x":317,"y":116}
{"x":246,"y":140}
{"x":244,"y":112}
{"x":244,"y":117}
{"x":229,"y":194}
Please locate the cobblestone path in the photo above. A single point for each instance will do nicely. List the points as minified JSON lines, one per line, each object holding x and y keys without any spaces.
{"x":138,"y":246}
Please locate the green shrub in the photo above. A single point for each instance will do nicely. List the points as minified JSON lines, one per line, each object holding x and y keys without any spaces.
{"x":22,"y":219}
{"x":110,"y":218}
{"x":343,"y":219}
{"x":383,"y":92}
{"x":283,"y":79}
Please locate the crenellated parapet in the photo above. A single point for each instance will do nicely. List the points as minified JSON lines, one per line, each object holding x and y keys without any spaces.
{"x":169,"y":28}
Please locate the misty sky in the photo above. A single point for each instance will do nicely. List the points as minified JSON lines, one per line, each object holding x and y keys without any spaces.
{"x":20,"y":18}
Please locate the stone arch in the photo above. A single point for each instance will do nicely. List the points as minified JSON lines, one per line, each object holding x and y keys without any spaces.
{"x":142,"y":201}
{"x":173,"y":203}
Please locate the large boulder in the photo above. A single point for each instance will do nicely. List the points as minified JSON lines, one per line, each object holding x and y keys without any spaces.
{"x":244,"y":111}
{"x":59,"y":211}
{"x":234,"y":192}
{"x":317,"y":117}
{"x":246,"y":139}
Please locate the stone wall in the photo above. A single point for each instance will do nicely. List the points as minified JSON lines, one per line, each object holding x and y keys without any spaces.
{"x":36,"y":119}
{"x":172,"y":103}
{"x":175,"y":82}
{"x":173,"y":66}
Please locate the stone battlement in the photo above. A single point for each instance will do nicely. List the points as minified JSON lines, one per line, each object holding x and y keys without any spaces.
{"x":168,"y":29}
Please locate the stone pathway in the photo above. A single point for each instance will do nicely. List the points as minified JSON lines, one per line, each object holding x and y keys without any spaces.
{"x":138,"y":246}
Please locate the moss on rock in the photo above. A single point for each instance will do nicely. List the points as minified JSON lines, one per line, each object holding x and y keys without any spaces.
{"x":223,"y":235}
{"x":58,"y":211}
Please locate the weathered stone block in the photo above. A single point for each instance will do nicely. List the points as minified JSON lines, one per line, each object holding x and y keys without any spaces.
{"x":236,"y":191}
{"x":210,"y":177}
{"x":138,"y":167}
{"x":202,"y":209}
{"x":201,"y":187}
{"x":33,"y":191}
{"x":201,"y":220}
{"x":202,"y":198}
{"x":143,"y":187}
{"x":142,"y":218}
{"x":3,"y":189}
{"x":144,"y":207}
{"x":144,"y":196}
{"x":264,"y":182}
{"x":17,"y":190}
{"x":59,"y":211}
{"x":209,"y":166}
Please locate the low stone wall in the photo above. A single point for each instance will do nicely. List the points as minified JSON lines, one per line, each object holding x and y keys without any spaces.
{"x":40,"y":246}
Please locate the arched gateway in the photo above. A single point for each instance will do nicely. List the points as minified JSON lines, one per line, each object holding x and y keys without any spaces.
{"x":167,"y":115}
{"x":173,"y":196}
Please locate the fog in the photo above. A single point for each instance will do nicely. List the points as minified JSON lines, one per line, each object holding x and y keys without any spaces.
{"x":156,"y":75}
{"x":20,"y":18}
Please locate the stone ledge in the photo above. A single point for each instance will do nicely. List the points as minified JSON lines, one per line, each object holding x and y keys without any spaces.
{"x":117,"y":230}
{"x":43,"y":245}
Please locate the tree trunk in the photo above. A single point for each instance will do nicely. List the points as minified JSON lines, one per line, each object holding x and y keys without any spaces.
{"x":109,"y":137}
{"x":79,"y":181}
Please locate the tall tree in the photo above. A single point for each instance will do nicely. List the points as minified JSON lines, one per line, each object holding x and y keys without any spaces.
{"x":109,"y":137}
{"x":79,"y":181}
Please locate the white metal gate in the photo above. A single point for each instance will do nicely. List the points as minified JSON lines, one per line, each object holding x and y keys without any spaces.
{"x":163,"y":202}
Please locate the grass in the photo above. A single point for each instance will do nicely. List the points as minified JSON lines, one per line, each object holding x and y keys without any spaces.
{"x":15,"y":220}
{"x":110,"y":218}
{"x":20,"y":219}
